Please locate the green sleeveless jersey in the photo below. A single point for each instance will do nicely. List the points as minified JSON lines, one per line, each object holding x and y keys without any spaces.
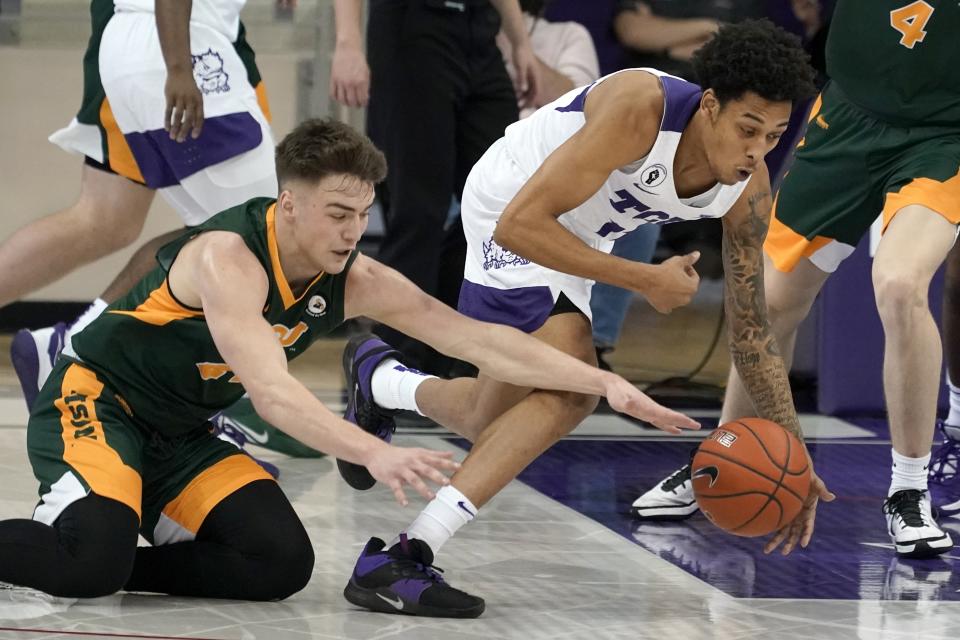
{"x":899,"y":60}
{"x":157,"y":353}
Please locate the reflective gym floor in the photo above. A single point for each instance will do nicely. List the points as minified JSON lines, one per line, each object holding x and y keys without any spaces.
{"x":555,"y":555}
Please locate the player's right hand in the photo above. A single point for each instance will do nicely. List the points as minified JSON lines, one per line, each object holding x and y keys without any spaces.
{"x":801,"y":529}
{"x":677,"y":280}
{"x":350,"y":76}
{"x":184,"y":112}
{"x":399,"y":466}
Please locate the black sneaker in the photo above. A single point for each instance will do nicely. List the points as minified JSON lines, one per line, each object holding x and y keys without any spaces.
{"x":403,"y":580}
{"x":911,"y":525}
{"x":361,"y":357}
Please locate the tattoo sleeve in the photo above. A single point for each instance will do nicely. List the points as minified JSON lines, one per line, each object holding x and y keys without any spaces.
{"x":753,"y":348}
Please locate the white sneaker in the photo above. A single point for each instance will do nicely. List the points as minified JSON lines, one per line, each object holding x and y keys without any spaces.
{"x":911,"y":526}
{"x":672,"y":499}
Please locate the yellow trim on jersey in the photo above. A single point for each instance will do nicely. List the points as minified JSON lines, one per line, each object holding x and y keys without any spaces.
{"x":786,"y":247}
{"x":210,"y":487}
{"x":262,"y":100}
{"x":85,"y":446}
{"x":119,"y":154}
{"x":813,"y":115}
{"x":161,"y":308}
{"x":940,"y":197}
{"x":286,"y":294}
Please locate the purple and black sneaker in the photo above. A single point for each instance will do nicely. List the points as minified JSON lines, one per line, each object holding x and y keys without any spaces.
{"x":227,"y":430}
{"x":362,"y":355}
{"x":33,"y":354}
{"x":402,"y":579}
{"x":944,"y":476}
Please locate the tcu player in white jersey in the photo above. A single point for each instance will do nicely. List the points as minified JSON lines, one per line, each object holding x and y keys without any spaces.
{"x":540,"y":211}
{"x":173,"y":102}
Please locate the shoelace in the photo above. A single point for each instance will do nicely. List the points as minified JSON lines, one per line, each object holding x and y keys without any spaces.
{"x":906,"y":504}
{"x":679,"y":478}
{"x":408,"y":561}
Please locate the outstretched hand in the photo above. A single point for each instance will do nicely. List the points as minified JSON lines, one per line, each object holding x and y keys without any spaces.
{"x":801,"y":529}
{"x":399,"y":466}
{"x":626,"y":398}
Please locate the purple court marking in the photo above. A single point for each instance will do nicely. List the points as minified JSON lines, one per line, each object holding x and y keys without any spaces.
{"x":850,"y":556}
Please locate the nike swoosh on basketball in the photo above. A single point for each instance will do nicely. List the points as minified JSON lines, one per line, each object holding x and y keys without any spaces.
{"x":711,"y":472}
{"x":398,"y":604}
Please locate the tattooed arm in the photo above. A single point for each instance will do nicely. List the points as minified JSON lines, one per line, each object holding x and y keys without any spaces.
{"x":753,"y":348}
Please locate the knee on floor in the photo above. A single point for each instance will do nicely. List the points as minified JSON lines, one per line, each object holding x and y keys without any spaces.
{"x":283,"y":570}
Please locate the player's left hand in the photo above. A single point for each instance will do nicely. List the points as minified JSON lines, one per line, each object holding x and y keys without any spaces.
{"x":527,"y":79}
{"x":184,"y":112}
{"x":801,"y":529}
{"x":626,"y":398}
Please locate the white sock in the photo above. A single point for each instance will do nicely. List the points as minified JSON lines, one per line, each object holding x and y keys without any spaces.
{"x":394,"y":386}
{"x":445,"y":514}
{"x":908,"y":473}
{"x":88,"y":316}
{"x":952,"y":425}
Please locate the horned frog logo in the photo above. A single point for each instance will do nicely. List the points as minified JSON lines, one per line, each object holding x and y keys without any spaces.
{"x":209,"y":74}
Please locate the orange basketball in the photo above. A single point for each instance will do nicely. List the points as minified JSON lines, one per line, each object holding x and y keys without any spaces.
{"x":751,"y":476}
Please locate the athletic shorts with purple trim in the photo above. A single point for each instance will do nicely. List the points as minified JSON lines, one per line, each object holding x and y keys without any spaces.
{"x":232,"y":160}
{"x":498,"y":285}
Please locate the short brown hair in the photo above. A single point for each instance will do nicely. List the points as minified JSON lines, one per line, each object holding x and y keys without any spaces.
{"x":320,"y":147}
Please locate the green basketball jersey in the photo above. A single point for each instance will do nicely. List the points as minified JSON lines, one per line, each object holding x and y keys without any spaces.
{"x":898,"y":59}
{"x":157,"y":353}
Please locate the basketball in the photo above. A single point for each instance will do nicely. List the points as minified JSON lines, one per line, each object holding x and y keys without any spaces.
{"x":751,"y":477}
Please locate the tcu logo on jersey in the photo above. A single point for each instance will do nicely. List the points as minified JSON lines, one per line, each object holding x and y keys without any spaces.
{"x":643,"y":213}
{"x":209,"y":74}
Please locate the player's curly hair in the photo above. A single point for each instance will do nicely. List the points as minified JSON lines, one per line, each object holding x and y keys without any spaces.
{"x":757,"y":56}
{"x":320,"y":147}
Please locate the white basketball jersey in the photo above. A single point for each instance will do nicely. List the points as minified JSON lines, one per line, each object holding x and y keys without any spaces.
{"x":221,"y":15}
{"x":641,"y":193}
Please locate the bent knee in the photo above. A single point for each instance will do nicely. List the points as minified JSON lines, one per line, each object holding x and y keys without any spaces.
{"x":283,"y":571}
{"x":113,"y":227}
{"x":577,"y":406}
{"x":93,"y":577}
{"x":897,"y":292}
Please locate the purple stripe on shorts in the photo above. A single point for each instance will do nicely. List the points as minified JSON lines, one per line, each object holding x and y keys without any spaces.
{"x":524,"y":308}
{"x":165,"y":162}
{"x":681,"y":99}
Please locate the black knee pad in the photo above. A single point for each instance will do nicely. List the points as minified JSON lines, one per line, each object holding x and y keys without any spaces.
{"x":259,"y":522}
{"x":97,"y":543}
